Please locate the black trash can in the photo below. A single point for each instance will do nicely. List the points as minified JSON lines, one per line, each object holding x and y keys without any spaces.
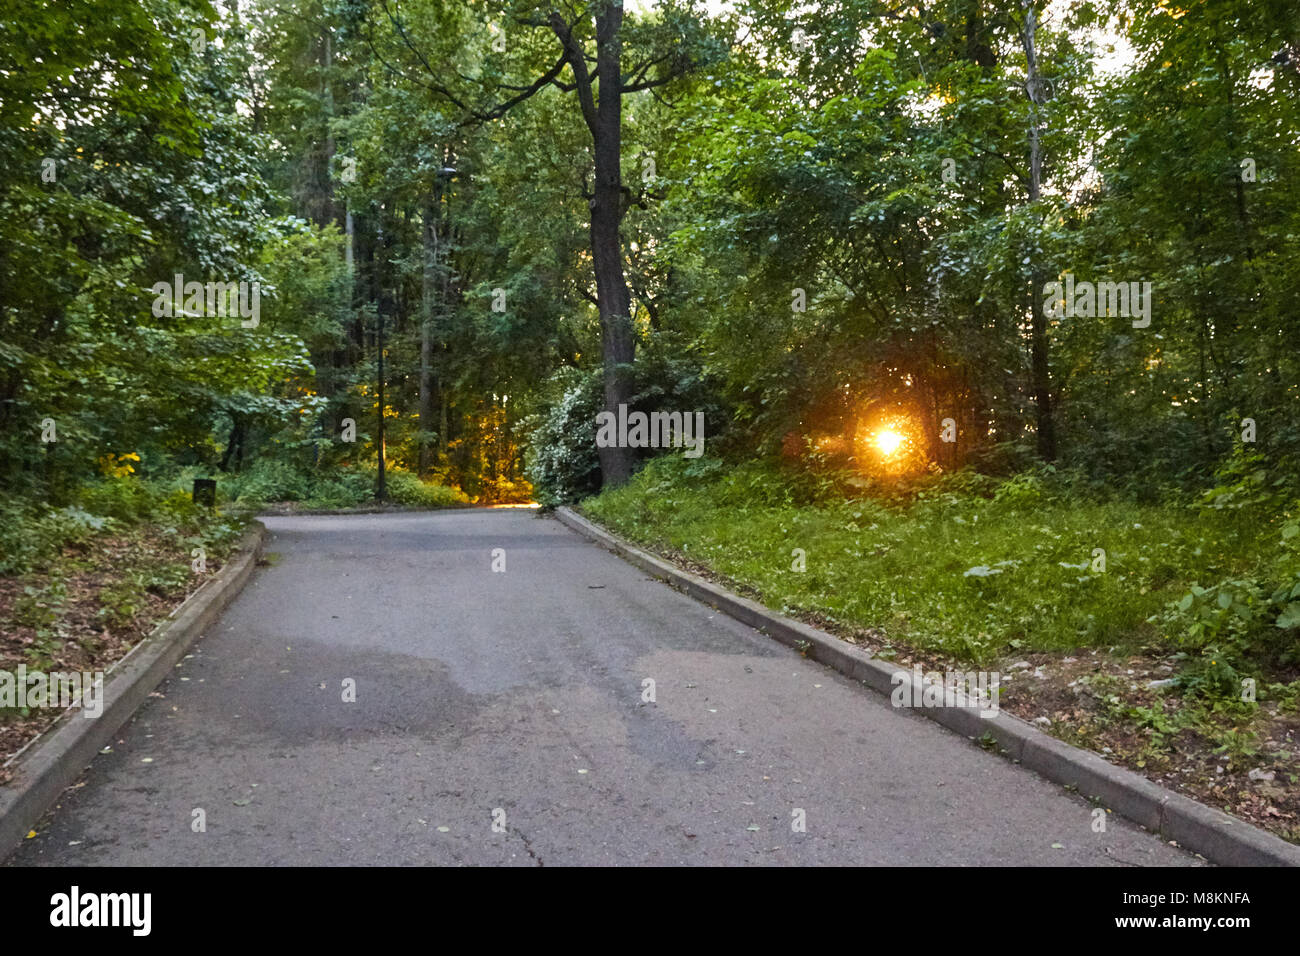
{"x":205,"y":492}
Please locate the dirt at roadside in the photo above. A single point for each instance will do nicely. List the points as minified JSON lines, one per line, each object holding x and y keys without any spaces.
{"x":84,"y":638}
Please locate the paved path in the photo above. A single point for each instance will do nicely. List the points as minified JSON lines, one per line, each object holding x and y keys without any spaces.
{"x":522,"y":690}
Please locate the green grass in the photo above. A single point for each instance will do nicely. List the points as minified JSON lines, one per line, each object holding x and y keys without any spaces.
{"x":974,"y":577}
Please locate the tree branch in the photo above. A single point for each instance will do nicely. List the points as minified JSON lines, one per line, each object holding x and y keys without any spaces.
{"x":578,"y":63}
{"x":502,"y":108}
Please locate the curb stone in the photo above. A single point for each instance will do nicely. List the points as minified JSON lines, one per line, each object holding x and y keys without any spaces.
{"x":1215,"y":835}
{"x":53,"y":761}
{"x":376,"y":510}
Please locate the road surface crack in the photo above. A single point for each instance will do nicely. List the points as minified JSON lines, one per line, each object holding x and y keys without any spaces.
{"x":528,"y":846}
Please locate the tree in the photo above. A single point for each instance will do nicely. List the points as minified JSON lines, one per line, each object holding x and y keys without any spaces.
{"x":665,"y":48}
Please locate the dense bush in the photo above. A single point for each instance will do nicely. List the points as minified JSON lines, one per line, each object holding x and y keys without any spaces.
{"x":268,"y":480}
{"x":405,"y":488}
{"x":563,"y":463}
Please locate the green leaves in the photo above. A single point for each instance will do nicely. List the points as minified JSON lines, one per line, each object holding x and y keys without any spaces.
{"x":1290,"y":616}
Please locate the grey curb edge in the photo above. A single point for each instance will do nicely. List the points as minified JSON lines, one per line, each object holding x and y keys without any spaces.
{"x":1215,"y":835}
{"x":54,"y":760}
{"x":370,"y":510}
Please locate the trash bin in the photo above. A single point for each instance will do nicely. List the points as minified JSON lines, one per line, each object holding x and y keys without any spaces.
{"x":205,"y":492}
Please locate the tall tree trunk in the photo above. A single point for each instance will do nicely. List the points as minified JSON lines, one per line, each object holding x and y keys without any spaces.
{"x":1038,"y":348}
{"x":426,"y":330}
{"x":613,"y":300}
{"x":327,"y":91}
{"x":604,"y":119}
{"x":443,"y":415}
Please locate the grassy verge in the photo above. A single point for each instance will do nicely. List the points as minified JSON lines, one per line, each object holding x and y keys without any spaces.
{"x":1131,"y":629}
{"x":80,"y":585}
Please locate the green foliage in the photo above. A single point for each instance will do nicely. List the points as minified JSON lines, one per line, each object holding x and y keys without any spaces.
{"x":30,"y":534}
{"x":122,"y":601}
{"x":562,"y":461}
{"x":124,"y":498}
{"x":1249,"y":480}
{"x":271,"y":480}
{"x":1022,"y":490}
{"x":39,"y":607}
{"x":407,"y":489}
{"x":1237,"y":625}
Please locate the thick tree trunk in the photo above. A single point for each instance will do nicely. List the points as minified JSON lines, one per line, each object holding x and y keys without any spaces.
{"x":614,"y":303}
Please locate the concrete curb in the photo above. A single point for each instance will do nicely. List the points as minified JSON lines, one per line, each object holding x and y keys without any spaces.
{"x":1213,"y":834}
{"x":54,"y":760}
{"x":378,"y":510}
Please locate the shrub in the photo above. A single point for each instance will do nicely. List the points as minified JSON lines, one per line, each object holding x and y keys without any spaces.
{"x":345,"y":488}
{"x":1025,"y":488}
{"x":124,"y":497}
{"x":1239,"y":620}
{"x":270,"y":480}
{"x":562,"y":462}
{"x":407,"y":489}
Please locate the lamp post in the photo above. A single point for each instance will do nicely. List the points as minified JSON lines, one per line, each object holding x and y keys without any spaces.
{"x":381,"y":490}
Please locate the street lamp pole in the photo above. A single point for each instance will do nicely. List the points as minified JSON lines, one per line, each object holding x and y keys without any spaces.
{"x":381,"y":492}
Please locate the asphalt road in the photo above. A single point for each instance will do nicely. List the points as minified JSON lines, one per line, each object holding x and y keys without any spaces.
{"x":499,"y":719}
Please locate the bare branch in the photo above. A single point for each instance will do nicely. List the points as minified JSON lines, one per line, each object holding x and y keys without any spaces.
{"x":651,"y":84}
{"x":637,"y":75}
